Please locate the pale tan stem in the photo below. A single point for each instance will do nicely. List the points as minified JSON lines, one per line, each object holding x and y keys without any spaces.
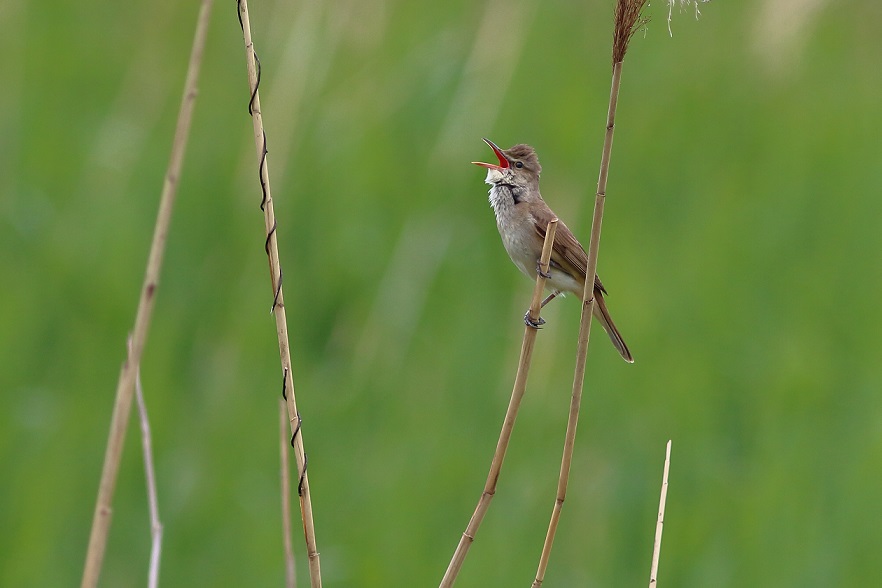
{"x":511,"y":414}
{"x":125,"y":386}
{"x":152,"y":495}
{"x":279,"y":305}
{"x":284,"y":469}
{"x":660,"y":523}
{"x":584,"y":330}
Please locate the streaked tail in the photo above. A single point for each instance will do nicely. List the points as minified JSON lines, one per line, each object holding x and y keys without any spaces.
{"x":602,"y":314}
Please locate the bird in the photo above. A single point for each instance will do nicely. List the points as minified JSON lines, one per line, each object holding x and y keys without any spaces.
{"x":522,"y":218}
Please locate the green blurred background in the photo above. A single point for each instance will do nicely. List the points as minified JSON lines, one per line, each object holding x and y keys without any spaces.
{"x":740,"y":247}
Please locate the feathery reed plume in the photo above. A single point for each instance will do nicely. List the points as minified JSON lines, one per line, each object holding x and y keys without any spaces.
{"x":628,"y":20}
{"x":278,"y":307}
{"x":511,"y":414}
{"x":683,"y":4}
{"x":125,"y":386}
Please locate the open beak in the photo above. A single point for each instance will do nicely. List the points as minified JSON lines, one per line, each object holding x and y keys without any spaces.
{"x":503,"y":162}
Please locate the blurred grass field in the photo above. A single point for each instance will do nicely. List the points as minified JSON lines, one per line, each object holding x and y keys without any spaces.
{"x":741,"y":248}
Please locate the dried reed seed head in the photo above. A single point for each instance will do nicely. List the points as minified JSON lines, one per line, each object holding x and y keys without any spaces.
{"x":627,"y":21}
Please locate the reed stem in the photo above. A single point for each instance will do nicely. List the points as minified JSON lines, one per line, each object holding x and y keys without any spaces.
{"x":511,"y":414}
{"x":278,"y":308}
{"x":125,"y":386}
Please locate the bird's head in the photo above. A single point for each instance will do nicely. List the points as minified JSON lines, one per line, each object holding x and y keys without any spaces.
{"x":518,"y":166}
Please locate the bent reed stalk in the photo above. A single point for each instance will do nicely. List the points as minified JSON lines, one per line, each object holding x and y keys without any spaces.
{"x":126,"y":384}
{"x":511,"y":414}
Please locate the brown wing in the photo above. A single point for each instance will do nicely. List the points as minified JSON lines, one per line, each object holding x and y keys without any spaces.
{"x":570,"y":255}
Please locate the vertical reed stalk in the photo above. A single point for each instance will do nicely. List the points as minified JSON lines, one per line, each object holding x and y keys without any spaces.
{"x":627,"y":20}
{"x":290,"y":569}
{"x":152,"y":494}
{"x":660,"y":523}
{"x":278,"y":308}
{"x":126,"y":384}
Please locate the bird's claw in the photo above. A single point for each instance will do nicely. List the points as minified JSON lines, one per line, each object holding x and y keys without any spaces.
{"x":537,"y":324}
{"x":546,"y":275}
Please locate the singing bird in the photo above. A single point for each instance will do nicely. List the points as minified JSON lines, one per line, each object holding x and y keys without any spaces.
{"x":522,"y":218}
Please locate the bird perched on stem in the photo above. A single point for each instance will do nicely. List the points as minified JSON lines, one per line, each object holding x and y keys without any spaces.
{"x":522,"y":219}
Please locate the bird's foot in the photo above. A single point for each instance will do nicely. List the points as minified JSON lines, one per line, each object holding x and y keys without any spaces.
{"x":546,"y":275}
{"x":537,"y":324}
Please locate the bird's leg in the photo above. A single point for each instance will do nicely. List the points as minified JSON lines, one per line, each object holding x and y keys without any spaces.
{"x":549,"y":298}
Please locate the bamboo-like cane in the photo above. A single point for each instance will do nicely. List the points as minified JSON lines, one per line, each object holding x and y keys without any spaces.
{"x":627,"y":18}
{"x":511,"y":414}
{"x":279,"y":302}
{"x":660,"y":523}
{"x":126,"y":384}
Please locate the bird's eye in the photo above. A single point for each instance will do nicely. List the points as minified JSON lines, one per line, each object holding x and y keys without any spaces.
{"x":519,"y":164}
